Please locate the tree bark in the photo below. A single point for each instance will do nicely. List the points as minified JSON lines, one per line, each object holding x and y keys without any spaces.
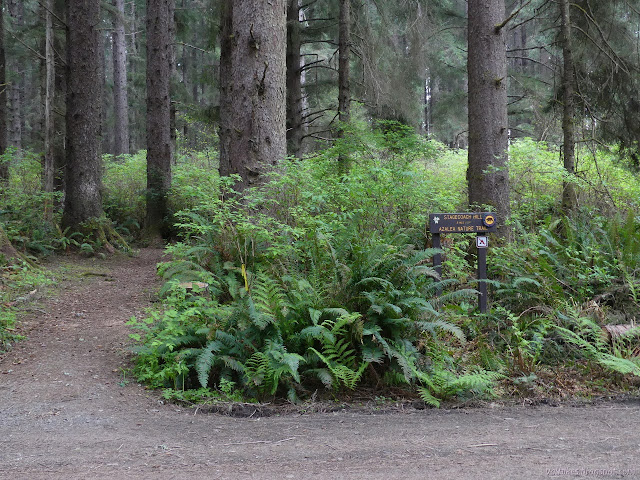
{"x":59,"y":140}
{"x":15,"y":8}
{"x":569,"y":200}
{"x":120,"y":100}
{"x":49,"y":96}
{"x":159,"y":140}
{"x":344,"y":73}
{"x":83,"y":199}
{"x":4,"y":167}
{"x":252,"y":88}
{"x":344,"y":58}
{"x":294,"y":80}
{"x":487,"y":174}
{"x":136,"y":135}
{"x":226,"y":87}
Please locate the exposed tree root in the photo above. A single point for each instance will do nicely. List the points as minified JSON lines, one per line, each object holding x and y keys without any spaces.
{"x":105,"y":235}
{"x":10,"y":254}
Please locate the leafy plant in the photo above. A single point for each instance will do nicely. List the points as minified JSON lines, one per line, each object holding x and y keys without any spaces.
{"x":587,"y":339}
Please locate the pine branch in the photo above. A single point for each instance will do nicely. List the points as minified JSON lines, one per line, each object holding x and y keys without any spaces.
{"x":44,"y":6}
{"x":38,"y":54}
{"x":514,"y":14}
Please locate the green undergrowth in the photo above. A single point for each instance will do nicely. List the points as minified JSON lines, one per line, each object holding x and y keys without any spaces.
{"x":316,"y":281}
{"x":19,"y":282}
{"x":321,"y":281}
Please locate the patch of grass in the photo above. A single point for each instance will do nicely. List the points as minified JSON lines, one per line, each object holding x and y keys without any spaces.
{"x":18,"y":285}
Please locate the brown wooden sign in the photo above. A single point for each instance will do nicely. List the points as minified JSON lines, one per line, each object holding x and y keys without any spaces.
{"x":478,"y":222}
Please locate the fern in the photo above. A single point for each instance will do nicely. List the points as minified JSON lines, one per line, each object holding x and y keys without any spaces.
{"x":440,"y":325}
{"x":338,"y":353}
{"x":204,"y":363}
{"x":266,"y":369}
{"x":259,"y":372}
{"x":341,"y":374}
{"x":269,"y":297}
{"x":427,"y":397}
{"x":596,"y":353}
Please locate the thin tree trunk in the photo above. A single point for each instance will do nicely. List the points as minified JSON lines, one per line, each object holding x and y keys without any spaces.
{"x":252,"y":88}
{"x":344,"y":73}
{"x":569,"y":200}
{"x":49,"y":97}
{"x":120,"y":100}
{"x":59,"y":139}
{"x":15,"y":115}
{"x":226,"y":87}
{"x":159,"y":139}
{"x":344,"y":58}
{"x":4,"y":167}
{"x":137,"y":138}
{"x":487,"y":175}
{"x":83,"y":199}
{"x":427,"y":103}
{"x":294,"y":80}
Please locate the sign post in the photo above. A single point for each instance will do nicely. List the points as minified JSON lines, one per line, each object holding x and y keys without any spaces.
{"x":479,"y":223}
{"x":482,"y":242}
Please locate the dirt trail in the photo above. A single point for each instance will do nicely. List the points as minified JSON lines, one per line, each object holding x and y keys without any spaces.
{"x":64,"y":413}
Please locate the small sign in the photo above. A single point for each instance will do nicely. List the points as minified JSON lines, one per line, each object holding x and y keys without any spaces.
{"x":478,"y":222}
{"x":475,"y":222}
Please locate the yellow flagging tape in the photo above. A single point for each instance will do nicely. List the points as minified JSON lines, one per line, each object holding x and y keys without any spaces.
{"x":244,"y":275}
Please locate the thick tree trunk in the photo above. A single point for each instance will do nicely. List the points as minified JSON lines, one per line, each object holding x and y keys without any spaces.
{"x":49,"y":96}
{"x":487,"y":174}
{"x":120,"y":100}
{"x":295,"y":129}
{"x":83,"y":200}
{"x":4,"y":167}
{"x":159,"y":139}
{"x":569,"y":200}
{"x":252,"y":88}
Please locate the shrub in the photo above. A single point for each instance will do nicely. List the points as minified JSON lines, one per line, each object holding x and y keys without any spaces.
{"x":315,"y":278}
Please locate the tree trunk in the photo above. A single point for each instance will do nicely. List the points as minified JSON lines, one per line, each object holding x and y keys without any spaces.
{"x":120,"y":101}
{"x":15,"y":8}
{"x":252,"y":88}
{"x":49,"y":95}
{"x":294,"y":80}
{"x":344,"y":56}
{"x":4,"y":167}
{"x":159,"y":139}
{"x":569,"y":200}
{"x":83,"y":200}
{"x":59,"y":140}
{"x":344,"y":84}
{"x":135,"y":141}
{"x":487,"y":175}
{"x":225,"y":132}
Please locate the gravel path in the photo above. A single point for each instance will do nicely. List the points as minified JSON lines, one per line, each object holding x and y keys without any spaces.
{"x":65,"y":412}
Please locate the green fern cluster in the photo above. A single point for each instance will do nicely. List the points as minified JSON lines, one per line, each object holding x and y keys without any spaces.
{"x":273,"y":336}
{"x":316,"y":280}
{"x":587,"y":338}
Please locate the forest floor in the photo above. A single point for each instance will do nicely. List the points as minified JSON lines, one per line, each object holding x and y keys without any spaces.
{"x":69,"y":410}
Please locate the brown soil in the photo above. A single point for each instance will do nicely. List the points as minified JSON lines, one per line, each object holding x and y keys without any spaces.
{"x":67,"y":411}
